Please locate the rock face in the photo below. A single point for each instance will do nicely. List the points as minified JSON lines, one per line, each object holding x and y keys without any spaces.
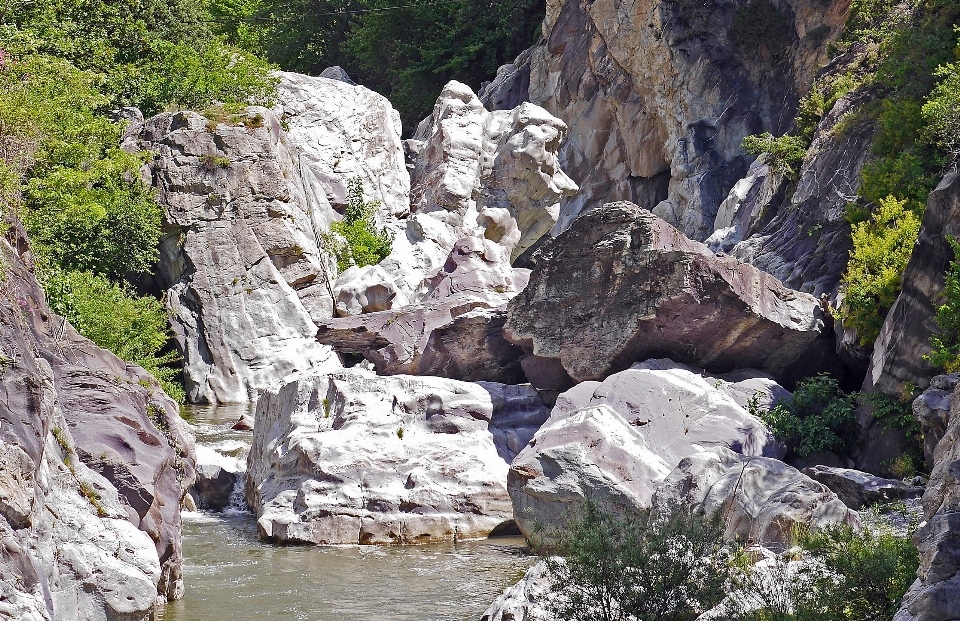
{"x":215,"y":486}
{"x":245,"y":278}
{"x":455,"y":332}
{"x":616,"y":441}
{"x":859,"y":489}
{"x":349,"y":457}
{"x":905,"y":336}
{"x":94,"y":461}
{"x":659,"y":95}
{"x":524,"y":601}
{"x":935,"y":596}
{"x":622,"y":285}
{"x":761,"y":499}
{"x":932,"y":410}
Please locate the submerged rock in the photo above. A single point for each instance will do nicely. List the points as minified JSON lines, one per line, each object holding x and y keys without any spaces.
{"x":616,"y":441}
{"x":621,"y":285}
{"x":349,"y":457}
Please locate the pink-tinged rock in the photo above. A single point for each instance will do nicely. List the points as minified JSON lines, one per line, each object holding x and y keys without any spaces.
{"x":621,"y":285}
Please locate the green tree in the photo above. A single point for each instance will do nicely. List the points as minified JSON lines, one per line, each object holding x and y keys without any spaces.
{"x":355,"y":240}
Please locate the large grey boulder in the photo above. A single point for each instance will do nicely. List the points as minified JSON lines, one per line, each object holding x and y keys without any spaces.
{"x":214,"y":486}
{"x":935,"y":595}
{"x":615,"y":441}
{"x":658,"y":97}
{"x":527,"y":600}
{"x":932,"y":411}
{"x":759,"y":499}
{"x":621,"y":285}
{"x":244,"y":275}
{"x":349,"y":457}
{"x":455,"y":332}
{"x":94,"y":462}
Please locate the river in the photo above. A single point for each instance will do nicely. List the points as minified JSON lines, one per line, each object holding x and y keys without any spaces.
{"x":231,"y":576}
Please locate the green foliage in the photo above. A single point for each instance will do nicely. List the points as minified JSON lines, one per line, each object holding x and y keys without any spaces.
{"x":784,"y":154}
{"x":819,"y":418}
{"x":135,"y":328}
{"x":946,"y":343}
{"x":355,"y":240}
{"x":760,"y":23}
{"x":881,"y":249}
{"x":942,"y":110}
{"x":847,"y":575}
{"x":639,"y":568}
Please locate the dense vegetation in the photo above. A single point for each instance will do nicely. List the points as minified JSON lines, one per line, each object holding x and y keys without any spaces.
{"x":904,"y":64}
{"x":406,"y":53}
{"x":64,"y":64}
{"x":642,"y":568}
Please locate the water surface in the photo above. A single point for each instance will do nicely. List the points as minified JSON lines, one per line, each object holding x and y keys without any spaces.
{"x":231,"y":576}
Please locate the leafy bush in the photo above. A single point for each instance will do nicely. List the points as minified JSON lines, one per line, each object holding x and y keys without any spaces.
{"x":819,"y":418}
{"x":112,"y":316}
{"x":760,"y":23}
{"x":846,"y":575}
{"x":355,"y":240}
{"x":784,"y":154}
{"x":946,"y":344}
{"x":881,"y":250}
{"x":637,"y":568}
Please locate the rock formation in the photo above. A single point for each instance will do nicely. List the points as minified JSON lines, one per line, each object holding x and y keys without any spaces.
{"x":935,"y":596}
{"x":621,"y":285}
{"x":898,"y":355}
{"x":455,"y":332}
{"x":659,"y":95}
{"x":616,"y":441}
{"x":94,"y":462}
{"x":860,"y":489}
{"x":246,"y":280}
{"x":524,"y":601}
{"x":349,"y":457}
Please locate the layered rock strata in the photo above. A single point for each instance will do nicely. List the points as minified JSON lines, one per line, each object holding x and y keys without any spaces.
{"x":455,"y":332}
{"x":615,"y":441}
{"x":621,"y":285}
{"x":94,"y":462}
{"x":349,"y":457}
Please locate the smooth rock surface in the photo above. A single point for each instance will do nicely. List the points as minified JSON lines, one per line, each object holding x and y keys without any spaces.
{"x":349,"y":457}
{"x":860,"y":489}
{"x":760,"y":499}
{"x":214,"y":486}
{"x":245,"y":277}
{"x":455,"y":332}
{"x":621,"y":285}
{"x":616,"y":441}
{"x":932,"y":411}
{"x":524,"y":601}
{"x":79,"y":545}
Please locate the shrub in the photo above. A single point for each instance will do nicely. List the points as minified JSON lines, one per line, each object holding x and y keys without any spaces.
{"x":355,"y":240}
{"x":784,"y":154}
{"x":881,"y":249}
{"x":637,"y":568}
{"x":819,"y":418}
{"x":846,"y":575}
{"x":942,"y":110}
{"x":134,"y":328}
{"x":946,"y":343}
{"x":760,"y":23}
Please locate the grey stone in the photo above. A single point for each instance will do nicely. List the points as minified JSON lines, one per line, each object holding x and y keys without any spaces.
{"x":215,"y":486}
{"x":860,"y":489}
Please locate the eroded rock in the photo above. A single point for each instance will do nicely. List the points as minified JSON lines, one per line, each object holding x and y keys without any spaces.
{"x":615,"y":441}
{"x":860,"y":489}
{"x":349,"y":457}
{"x":621,"y":285}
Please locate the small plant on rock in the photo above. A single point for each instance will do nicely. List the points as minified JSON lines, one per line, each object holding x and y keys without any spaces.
{"x":356,"y":240}
{"x":784,"y":154}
